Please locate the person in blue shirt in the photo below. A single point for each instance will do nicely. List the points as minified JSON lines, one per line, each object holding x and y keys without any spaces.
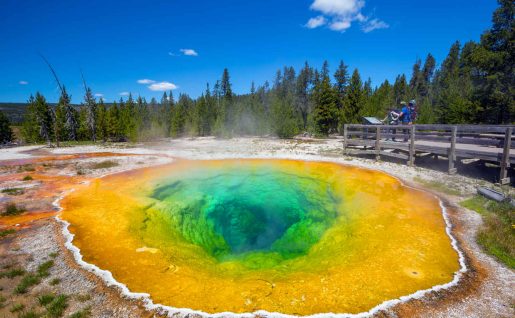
{"x":405,"y":117}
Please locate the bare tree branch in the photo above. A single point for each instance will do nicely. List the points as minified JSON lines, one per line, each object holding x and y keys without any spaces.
{"x":53,"y":72}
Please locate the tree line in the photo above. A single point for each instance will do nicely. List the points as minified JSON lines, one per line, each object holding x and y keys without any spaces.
{"x":475,"y":83}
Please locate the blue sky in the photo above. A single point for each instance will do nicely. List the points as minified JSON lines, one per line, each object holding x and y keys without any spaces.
{"x":118,"y":43}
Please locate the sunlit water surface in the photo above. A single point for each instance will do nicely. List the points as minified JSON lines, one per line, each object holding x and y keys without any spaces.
{"x":276,"y":235}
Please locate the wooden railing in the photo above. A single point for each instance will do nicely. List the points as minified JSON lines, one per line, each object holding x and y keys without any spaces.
{"x":488,"y":143}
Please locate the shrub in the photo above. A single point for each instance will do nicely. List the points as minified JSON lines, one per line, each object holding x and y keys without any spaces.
{"x":86,"y":312}
{"x":55,"y":281}
{"x":17,"y":308}
{"x":12,"y":273}
{"x":27,"y":282}
{"x":45,"y":299}
{"x":57,"y":307}
{"x":4,"y":233}
{"x":13,"y":191}
{"x":44,"y":268}
{"x":11,"y":209}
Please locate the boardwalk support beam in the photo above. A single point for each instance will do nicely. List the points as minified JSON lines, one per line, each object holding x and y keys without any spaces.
{"x":345,"y":132}
{"x":505,"y":162}
{"x":378,"y":143}
{"x":411,"y":161}
{"x":452,"y":150}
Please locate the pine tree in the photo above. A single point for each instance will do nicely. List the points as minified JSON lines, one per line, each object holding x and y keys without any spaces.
{"x":342,"y":81}
{"x":84,"y":131}
{"x":368,"y":92}
{"x":60,"y":132}
{"x":129,"y":119}
{"x":44,"y":118}
{"x":426,"y":112}
{"x":101,"y":122}
{"x":495,"y":62}
{"x":324,"y":73}
{"x":355,"y":100}
{"x":302,"y":96}
{"x":70,"y":114}
{"x":454,"y":102}
{"x":91,"y":113}
{"x":30,"y":126}
{"x":122,"y":121}
{"x":427,"y":76}
{"x":417,"y":79}
{"x":179,"y":116}
{"x":169,"y":114}
{"x":112,"y":123}
{"x":202,"y":116}
{"x":143,"y":120}
{"x":225,"y":116}
{"x":210,"y":109}
{"x":6,"y":133}
{"x":325,"y":113}
{"x":283,"y":117}
{"x":381,"y":100}
{"x":400,"y":89}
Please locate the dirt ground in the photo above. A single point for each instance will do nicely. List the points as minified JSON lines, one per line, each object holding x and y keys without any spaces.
{"x":36,"y":245}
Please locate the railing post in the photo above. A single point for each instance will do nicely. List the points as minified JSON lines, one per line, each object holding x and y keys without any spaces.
{"x":345,"y":129}
{"x":411,"y":160}
{"x":378,"y":143}
{"x":452,"y":151}
{"x":505,"y":164}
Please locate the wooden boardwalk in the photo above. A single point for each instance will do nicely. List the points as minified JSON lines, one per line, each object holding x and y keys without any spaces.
{"x":488,"y":143}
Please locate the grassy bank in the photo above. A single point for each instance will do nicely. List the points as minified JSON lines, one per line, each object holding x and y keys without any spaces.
{"x":497,"y":235}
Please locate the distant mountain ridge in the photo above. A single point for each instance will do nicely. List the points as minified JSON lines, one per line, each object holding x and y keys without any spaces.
{"x":16,"y":111}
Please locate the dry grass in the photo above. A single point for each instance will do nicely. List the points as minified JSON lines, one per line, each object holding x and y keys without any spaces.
{"x":103,"y":165}
{"x":438,"y":186}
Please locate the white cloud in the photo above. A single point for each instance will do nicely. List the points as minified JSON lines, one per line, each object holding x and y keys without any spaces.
{"x":316,"y":22}
{"x":125,"y":94}
{"x":172,"y":54}
{"x":361,"y":18}
{"x":339,"y":15}
{"x":99,"y":95}
{"x":146,"y":81}
{"x":23,"y":82}
{"x":374,"y":24}
{"x":162,"y":86}
{"x":189,"y":52}
{"x":338,"y":7}
{"x":340,"y":25}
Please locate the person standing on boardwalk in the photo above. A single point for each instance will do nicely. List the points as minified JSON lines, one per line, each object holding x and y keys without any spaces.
{"x":392,"y":119}
{"x":405,"y":117}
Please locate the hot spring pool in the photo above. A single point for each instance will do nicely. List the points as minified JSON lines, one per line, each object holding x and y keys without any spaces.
{"x":282,"y":236}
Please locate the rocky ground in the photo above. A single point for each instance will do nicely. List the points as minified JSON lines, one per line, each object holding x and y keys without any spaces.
{"x":37,"y":246}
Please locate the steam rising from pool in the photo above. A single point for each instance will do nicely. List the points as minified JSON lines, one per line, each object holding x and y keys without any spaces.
{"x":292,"y":237}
